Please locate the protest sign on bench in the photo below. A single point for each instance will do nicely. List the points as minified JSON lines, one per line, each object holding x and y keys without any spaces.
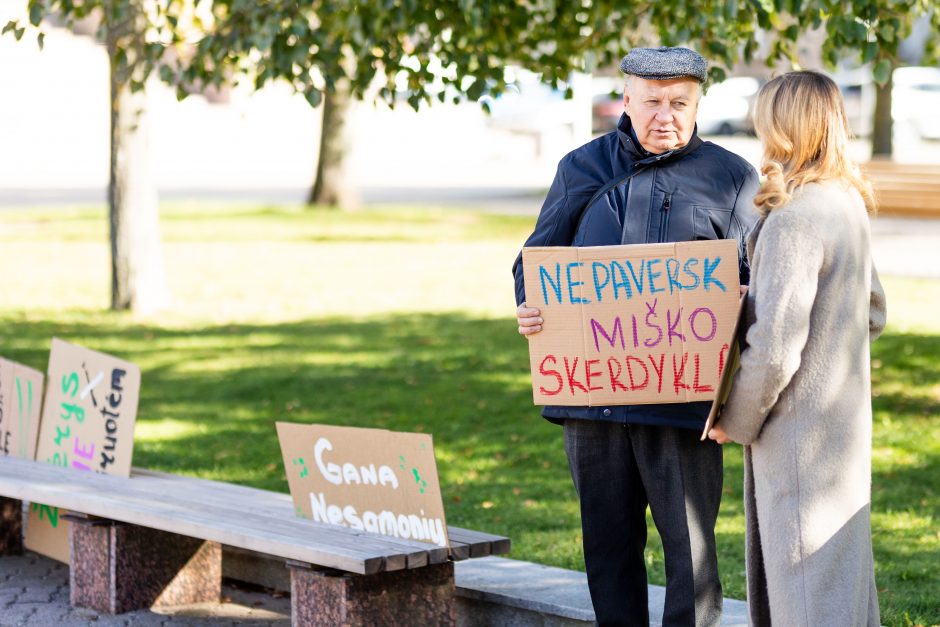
{"x":367,"y":479}
{"x":87,"y":424}
{"x":20,"y":401}
{"x":156,"y":538}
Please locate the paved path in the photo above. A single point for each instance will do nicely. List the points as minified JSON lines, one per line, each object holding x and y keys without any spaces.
{"x":34,"y":592}
{"x":906,"y":246}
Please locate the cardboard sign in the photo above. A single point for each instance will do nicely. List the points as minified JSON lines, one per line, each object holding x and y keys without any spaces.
{"x":47,"y":532}
{"x":87,"y":424}
{"x":90,"y":409}
{"x":20,"y":404}
{"x":627,"y":325}
{"x":727,"y":376}
{"x":367,"y":479}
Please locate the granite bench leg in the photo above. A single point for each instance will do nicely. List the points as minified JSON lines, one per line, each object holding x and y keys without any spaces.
{"x":420,"y":596}
{"x":11,"y":526}
{"x":116,"y":567}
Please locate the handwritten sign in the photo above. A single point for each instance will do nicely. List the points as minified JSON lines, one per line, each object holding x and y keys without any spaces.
{"x":90,"y":409}
{"x":20,"y":402}
{"x":367,"y":479}
{"x":87,"y":424}
{"x":627,"y":325}
{"x":47,"y":532}
{"x":20,"y":405}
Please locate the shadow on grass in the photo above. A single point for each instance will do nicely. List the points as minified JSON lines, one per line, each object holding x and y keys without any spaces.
{"x":211,"y":396}
{"x":906,"y":405}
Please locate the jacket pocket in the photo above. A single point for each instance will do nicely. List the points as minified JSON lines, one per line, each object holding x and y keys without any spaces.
{"x":665,"y":211}
{"x":710,"y":222}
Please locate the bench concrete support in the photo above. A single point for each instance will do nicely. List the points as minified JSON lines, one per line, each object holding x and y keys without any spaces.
{"x":11,"y":526}
{"x":118,"y":568}
{"x":423,"y":596}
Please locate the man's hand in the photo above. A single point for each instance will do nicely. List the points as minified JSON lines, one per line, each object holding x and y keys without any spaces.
{"x":529,"y":320}
{"x":743,"y":289}
{"x":718,"y":434}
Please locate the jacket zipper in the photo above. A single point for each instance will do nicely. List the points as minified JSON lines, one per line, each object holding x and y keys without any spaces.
{"x":664,"y":217}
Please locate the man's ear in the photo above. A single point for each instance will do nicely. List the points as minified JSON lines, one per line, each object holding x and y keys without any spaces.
{"x":626,"y":98}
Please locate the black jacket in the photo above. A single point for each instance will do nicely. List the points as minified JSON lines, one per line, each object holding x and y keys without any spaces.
{"x":701,"y":191}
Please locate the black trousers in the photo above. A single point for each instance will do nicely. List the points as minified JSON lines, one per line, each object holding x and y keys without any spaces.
{"x":620,"y":469}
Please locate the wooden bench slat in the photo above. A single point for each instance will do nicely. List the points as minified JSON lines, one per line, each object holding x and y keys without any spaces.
{"x":266,"y":503}
{"x":129,"y":501}
{"x":273,"y":511}
{"x":241,"y":516}
{"x":495,"y":545}
{"x":264,"y":500}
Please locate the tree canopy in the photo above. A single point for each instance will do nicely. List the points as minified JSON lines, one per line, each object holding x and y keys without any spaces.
{"x":453,"y":49}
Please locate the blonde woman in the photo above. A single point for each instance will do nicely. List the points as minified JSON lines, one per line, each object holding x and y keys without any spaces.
{"x":801,"y":402}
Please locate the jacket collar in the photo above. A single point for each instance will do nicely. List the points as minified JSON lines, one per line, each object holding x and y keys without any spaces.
{"x":631,"y":144}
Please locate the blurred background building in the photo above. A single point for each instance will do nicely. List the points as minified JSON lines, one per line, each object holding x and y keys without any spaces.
{"x":239,"y":144}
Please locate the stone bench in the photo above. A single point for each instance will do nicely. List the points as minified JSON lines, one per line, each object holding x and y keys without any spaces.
{"x":156,"y":539}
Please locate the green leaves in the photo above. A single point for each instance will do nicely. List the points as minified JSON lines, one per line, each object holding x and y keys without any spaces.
{"x":313,"y":96}
{"x":476,"y":89}
{"x":459,"y":49}
{"x":14,"y":27}
{"x":882,"y":71}
{"x":167,"y":75}
{"x":36,"y":10}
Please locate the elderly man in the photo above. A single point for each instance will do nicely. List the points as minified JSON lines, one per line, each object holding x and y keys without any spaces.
{"x":651,"y":180}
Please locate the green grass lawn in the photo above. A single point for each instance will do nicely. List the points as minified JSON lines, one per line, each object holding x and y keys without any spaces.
{"x":403,"y":319}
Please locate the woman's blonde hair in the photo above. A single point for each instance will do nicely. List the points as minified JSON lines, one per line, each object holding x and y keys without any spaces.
{"x":801,"y":122}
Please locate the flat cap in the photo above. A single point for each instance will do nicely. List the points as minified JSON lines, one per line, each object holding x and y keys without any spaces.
{"x":663,"y":64}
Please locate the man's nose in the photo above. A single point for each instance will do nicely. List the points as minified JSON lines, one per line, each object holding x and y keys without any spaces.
{"x":664,"y":114}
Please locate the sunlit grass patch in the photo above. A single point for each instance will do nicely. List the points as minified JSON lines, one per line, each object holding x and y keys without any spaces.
{"x":402,"y":319}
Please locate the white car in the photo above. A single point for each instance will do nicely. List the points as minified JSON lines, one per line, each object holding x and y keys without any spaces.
{"x":726,"y":108}
{"x":915,"y":99}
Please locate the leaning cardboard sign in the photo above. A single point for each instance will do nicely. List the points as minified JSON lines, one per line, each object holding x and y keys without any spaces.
{"x":20,"y":402}
{"x":87,"y":424}
{"x":371,"y":480}
{"x":635,"y":324}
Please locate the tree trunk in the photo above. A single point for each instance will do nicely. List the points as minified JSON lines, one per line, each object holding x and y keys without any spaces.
{"x":331,"y":186}
{"x":881,"y":146}
{"x":137,"y":277}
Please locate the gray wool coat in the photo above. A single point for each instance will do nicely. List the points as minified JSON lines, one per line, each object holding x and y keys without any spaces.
{"x":801,"y":403}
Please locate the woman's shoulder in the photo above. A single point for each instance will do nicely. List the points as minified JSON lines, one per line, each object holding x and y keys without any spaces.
{"x":817,"y":216}
{"x":821,"y":202}
{"x":811,"y":193}
{"x":824,"y":196}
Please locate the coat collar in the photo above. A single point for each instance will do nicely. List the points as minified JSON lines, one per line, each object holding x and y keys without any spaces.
{"x":631,"y":144}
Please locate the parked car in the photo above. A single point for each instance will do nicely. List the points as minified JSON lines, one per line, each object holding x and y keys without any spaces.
{"x":727,"y":107}
{"x":915,"y":100}
{"x":532,"y":108}
{"x":606,"y":103}
{"x":529,"y":106}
